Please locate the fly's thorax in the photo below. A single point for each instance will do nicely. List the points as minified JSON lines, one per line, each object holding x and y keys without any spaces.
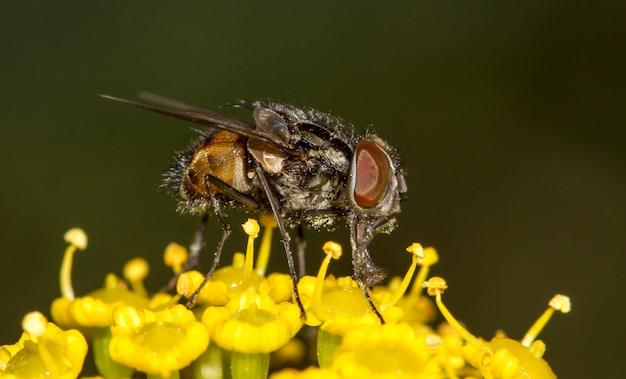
{"x":316,"y":179}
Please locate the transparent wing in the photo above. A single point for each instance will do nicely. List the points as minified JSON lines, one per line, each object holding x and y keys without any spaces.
{"x":201,"y":116}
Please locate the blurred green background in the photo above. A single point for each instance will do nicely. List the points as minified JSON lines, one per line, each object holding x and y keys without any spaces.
{"x":509,"y":118}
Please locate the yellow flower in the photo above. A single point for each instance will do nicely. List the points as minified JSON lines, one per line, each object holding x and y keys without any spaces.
{"x":339,"y":303}
{"x":231,"y":281}
{"x":157,"y":342}
{"x":448,"y":346}
{"x":249,"y":327}
{"x":135,"y":271}
{"x":175,"y":256}
{"x":248,"y":315}
{"x":77,"y":240}
{"x":309,"y":373}
{"x":252,"y":323}
{"x":342,"y":305}
{"x":93,"y":313}
{"x":417,"y":309}
{"x":387,"y":351}
{"x":44,"y":350}
{"x":503,"y":357}
{"x":95,"y":309}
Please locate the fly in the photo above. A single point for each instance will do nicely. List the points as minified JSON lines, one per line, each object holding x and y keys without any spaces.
{"x":306,"y":167}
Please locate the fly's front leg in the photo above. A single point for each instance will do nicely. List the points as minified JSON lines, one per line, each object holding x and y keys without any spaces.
{"x":361,"y":262}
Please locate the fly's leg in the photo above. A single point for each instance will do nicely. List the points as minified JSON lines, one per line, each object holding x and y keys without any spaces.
{"x":361,"y":262}
{"x":285,"y":239}
{"x":196,"y":245}
{"x":194,"y":253}
{"x":301,"y":249}
{"x":218,"y":252}
{"x":363,"y":287}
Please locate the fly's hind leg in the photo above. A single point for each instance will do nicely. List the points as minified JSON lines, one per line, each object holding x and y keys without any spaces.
{"x":226,"y":229}
{"x":218,"y":251}
{"x":194,"y":253}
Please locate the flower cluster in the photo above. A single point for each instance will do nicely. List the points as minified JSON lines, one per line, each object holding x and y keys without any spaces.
{"x":246,"y":324}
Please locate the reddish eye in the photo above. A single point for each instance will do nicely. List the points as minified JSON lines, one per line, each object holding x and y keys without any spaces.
{"x":372,"y":174}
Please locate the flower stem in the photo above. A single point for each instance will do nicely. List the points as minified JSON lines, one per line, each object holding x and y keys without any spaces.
{"x":173,"y":375}
{"x":249,"y":366}
{"x":106,"y":366}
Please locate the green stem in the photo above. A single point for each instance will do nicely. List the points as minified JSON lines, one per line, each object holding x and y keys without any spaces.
{"x":249,"y":366}
{"x":209,"y":365}
{"x":106,"y":366}
{"x":173,"y":375}
{"x":327,"y":343}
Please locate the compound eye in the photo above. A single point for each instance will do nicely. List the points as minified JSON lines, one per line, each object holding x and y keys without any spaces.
{"x":372,"y":174}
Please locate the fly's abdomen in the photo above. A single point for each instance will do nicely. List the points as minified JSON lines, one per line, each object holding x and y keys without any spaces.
{"x":224,"y":157}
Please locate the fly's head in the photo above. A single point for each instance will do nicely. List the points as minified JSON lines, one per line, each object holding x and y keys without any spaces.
{"x":375,"y":188}
{"x":376,"y":179}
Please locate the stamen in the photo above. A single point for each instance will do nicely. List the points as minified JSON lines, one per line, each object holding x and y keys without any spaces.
{"x":559,"y":302}
{"x":77,"y":239}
